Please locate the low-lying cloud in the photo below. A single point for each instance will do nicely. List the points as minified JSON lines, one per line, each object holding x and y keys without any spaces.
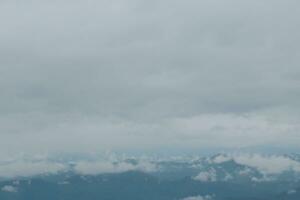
{"x":199,"y":197}
{"x":271,"y":164}
{"x":20,"y":167}
{"x":266,"y":165}
{"x":206,"y":176}
{"x":30,"y":168}
{"x":94,"y":168}
{"x":9,"y":188}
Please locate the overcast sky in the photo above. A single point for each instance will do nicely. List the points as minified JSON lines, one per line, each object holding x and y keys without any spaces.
{"x":96,"y":75}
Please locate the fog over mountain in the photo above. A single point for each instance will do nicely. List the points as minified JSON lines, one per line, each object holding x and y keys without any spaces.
{"x":217,"y":177}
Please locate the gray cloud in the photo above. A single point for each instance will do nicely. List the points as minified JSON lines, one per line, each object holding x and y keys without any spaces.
{"x":93,"y":75}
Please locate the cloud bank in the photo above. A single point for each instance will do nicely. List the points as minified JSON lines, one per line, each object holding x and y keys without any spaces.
{"x":30,"y":168}
{"x":272,"y":164}
{"x":94,"y":168}
{"x":206,"y":176}
{"x":9,"y":188}
{"x":199,"y":197}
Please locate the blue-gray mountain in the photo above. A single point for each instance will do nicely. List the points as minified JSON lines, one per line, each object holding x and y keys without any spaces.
{"x":220,"y":177}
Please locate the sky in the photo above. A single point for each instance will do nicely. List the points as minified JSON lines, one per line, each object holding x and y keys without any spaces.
{"x":135,"y":75}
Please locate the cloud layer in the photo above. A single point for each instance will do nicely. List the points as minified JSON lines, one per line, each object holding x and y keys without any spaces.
{"x":273,"y":164}
{"x":9,"y":188}
{"x":211,"y":169}
{"x":94,"y":168}
{"x":199,"y":197}
{"x":86,"y":76}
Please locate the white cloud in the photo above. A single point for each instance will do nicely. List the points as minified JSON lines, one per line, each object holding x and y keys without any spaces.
{"x":267,"y":164}
{"x":19,"y":167}
{"x":227,"y":177}
{"x":265,"y":178}
{"x":100,"y":167}
{"x":221,"y":158}
{"x":245,"y":172}
{"x":29,"y":168}
{"x":292,"y":191}
{"x":63,"y":183}
{"x":199,"y":197}
{"x":9,"y":188}
{"x":206,"y":176}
